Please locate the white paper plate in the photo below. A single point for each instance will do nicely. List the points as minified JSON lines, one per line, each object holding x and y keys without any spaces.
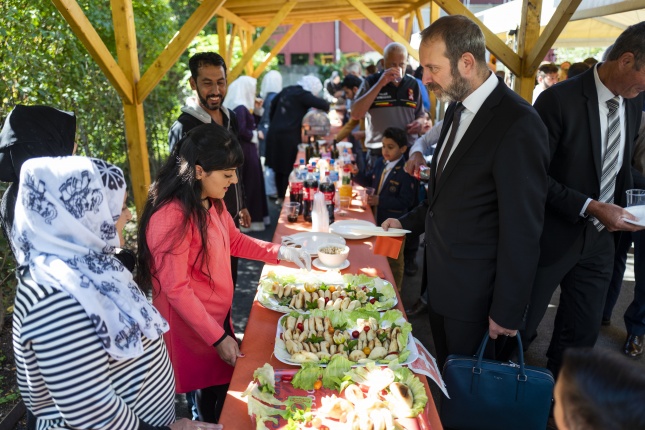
{"x":280,"y":350}
{"x":638,"y":212}
{"x":344,"y":228}
{"x":310,"y":241}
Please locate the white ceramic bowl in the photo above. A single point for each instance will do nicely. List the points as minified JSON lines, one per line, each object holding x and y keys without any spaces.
{"x":333,"y":255}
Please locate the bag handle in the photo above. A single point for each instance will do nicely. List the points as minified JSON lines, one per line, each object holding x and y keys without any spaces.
{"x":480,"y":355}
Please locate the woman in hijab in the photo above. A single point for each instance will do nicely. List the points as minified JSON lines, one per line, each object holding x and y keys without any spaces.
{"x":271,"y":86}
{"x":287,"y":111}
{"x":240,"y":98}
{"x":88,"y":345}
{"x":30,"y":132}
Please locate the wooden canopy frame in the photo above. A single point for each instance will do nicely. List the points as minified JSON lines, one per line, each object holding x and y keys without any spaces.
{"x":246,"y":16}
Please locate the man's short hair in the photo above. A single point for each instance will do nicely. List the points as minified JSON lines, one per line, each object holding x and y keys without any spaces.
{"x":354,"y":68}
{"x":547,"y":69}
{"x":460,"y":35}
{"x":399,"y":136}
{"x":590,"y":61}
{"x":577,"y":68}
{"x":351,"y":81}
{"x":205,"y":59}
{"x":631,"y":40}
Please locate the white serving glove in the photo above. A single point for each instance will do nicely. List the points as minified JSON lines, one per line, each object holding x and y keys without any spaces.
{"x":297,"y":256}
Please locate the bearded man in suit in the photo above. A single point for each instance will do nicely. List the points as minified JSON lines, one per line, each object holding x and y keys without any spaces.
{"x":593,"y":120}
{"x":485,"y":207}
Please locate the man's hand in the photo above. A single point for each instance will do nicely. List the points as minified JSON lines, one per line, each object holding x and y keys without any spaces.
{"x":612,"y":216}
{"x":416,"y":126}
{"x":245,"y":218}
{"x":391,"y":223}
{"x":393,"y":74}
{"x":497,"y":330}
{"x":412,"y":165}
{"x":229,"y":351}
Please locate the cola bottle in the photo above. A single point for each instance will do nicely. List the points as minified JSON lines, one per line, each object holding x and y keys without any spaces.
{"x":295,"y":187}
{"x":310,"y":187}
{"x":329,"y":190}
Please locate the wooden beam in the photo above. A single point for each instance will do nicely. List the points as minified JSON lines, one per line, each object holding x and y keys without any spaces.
{"x":551,"y":31}
{"x":408,"y":27}
{"x":401,"y":26}
{"x":261,"y":40}
{"x":434,"y":12}
{"x":413,"y":8}
{"x":231,"y":45}
{"x":383,"y":26}
{"x":277,"y":48}
{"x":221,"y":36}
{"x":177,"y":46}
{"x":527,"y":35}
{"x":493,"y":43}
{"x":419,"y":16}
{"x":135,"y":129}
{"x":231,"y":17}
{"x":135,"y":137}
{"x":249,"y":41}
{"x":360,"y":33}
{"x":88,"y":36}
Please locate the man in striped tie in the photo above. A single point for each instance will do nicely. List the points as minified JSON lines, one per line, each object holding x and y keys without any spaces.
{"x":592,"y":120}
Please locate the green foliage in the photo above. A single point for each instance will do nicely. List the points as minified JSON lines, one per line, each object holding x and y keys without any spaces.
{"x":576,"y":55}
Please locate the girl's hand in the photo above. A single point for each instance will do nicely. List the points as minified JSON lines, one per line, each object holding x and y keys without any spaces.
{"x":229,"y":351}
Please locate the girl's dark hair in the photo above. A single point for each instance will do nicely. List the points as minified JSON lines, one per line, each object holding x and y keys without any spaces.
{"x":601,"y":390}
{"x":213,"y":148}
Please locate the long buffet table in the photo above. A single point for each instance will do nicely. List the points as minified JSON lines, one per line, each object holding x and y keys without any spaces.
{"x":259,"y":336}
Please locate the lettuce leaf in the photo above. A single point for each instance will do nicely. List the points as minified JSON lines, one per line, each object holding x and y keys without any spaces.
{"x":360,"y":279}
{"x":266,"y":378}
{"x":262,"y":412}
{"x":308,"y":374}
{"x":335,"y":371}
{"x":420,"y":398}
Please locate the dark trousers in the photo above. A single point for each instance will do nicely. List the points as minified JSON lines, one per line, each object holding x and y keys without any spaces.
{"x":207,"y":403}
{"x":281,"y":183}
{"x":583,"y":274}
{"x":635,"y":313}
{"x":453,"y":336}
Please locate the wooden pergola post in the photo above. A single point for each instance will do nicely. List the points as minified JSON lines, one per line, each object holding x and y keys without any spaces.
{"x":528,"y":34}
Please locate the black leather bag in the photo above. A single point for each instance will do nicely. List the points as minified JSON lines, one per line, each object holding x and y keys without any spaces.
{"x":491,"y":395}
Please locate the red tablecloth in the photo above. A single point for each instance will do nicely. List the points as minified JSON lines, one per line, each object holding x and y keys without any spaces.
{"x":259,"y":336}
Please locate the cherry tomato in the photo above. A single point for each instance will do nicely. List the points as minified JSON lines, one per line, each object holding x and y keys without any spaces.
{"x":287,"y":378}
{"x":326,"y":300}
{"x":324,"y":427}
{"x":364,"y":288}
{"x":355,"y":334}
{"x":373,"y":300}
{"x":367,"y":350}
{"x":318,"y":385}
{"x":300,"y":326}
{"x":366,"y":328}
{"x":331,"y":330}
{"x":332,"y":289}
{"x":341,"y":297}
{"x":383,"y":393}
{"x":308,"y":424}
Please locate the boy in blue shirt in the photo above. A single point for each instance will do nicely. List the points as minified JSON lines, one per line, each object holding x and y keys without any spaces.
{"x":395,"y":191}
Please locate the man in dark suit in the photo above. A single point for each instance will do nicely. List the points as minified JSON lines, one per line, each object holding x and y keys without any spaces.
{"x":592,"y":120}
{"x":484,"y":212}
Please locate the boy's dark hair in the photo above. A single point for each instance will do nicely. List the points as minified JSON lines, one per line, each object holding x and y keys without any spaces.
{"x":398,"y":135}
{"x":203,"y":59}
{"x":351,"y":81}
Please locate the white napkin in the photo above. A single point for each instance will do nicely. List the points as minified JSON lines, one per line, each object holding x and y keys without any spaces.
{"x":427,"y":365}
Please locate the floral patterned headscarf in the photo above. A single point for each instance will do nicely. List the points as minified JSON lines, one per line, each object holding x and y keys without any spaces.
{"x":65,"y":232}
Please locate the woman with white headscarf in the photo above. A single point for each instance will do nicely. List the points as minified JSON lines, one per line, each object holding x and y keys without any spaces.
{"x":287,"y":111}
{"x":88,"y":345}
{"x":240,"y":98}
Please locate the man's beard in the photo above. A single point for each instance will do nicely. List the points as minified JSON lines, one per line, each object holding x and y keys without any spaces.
{"x":208,"y":105}
{"x":456,"y":91}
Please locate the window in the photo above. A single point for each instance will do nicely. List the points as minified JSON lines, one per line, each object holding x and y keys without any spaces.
{"x":299,"y":59}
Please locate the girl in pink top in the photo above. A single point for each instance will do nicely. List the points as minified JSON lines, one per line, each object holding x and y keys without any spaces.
{"x":186,"y":237}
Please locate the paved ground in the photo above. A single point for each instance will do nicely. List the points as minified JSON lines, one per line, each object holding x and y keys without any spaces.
{"x":611,"y":337}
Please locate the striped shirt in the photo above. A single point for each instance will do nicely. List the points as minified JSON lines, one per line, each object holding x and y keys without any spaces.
{"x":67,"y":379}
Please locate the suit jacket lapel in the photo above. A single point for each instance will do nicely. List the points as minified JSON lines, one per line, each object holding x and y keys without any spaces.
{"x":447,"y":120}
{"x":591,"y":93}
{"x":476,"y":127}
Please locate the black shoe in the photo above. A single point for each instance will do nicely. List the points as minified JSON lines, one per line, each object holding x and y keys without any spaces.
{"x":633,"y":345}
{"x":411,"y":269}
{"x":605,"y":322}
{"x":418,"y":308}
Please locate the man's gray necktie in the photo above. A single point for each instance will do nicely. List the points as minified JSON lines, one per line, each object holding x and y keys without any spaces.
{"x":451,"y":139}
{"x":610,"y":160}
